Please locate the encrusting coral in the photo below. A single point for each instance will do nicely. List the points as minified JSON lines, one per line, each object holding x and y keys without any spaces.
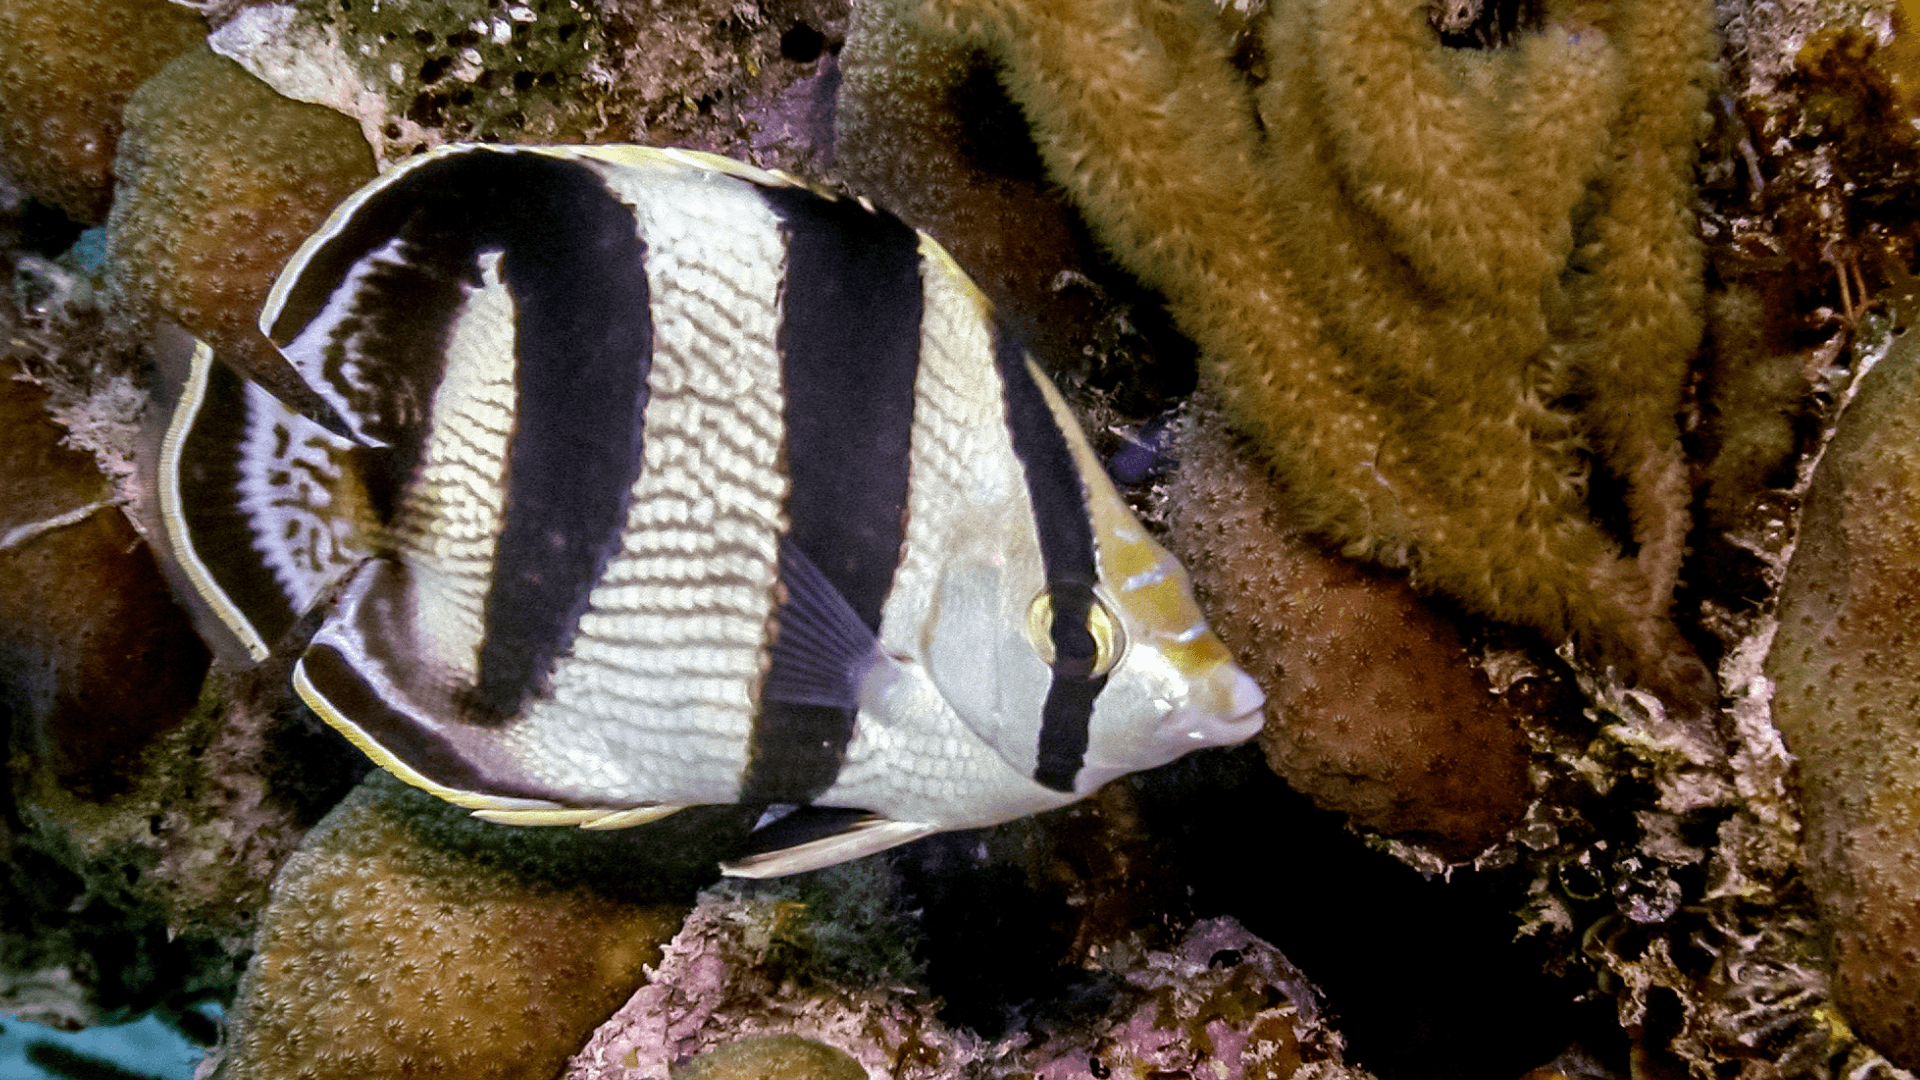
{"x":1441,"y":288}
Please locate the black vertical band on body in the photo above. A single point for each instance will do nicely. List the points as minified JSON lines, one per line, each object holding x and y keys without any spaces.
{"x":849,"y":345}
{"x":575,"y":265}
{"x":1065,"y":530}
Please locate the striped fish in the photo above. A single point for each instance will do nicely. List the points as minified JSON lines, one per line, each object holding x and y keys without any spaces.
{"x":649,"y":479}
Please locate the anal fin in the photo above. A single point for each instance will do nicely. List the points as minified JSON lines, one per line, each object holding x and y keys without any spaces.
{"x":588,"y":817}
{"x":627,"y":819}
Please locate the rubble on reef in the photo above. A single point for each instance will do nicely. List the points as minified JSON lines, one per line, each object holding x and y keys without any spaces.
{"x":1220,"y":999}
{"x":1516,"y":828}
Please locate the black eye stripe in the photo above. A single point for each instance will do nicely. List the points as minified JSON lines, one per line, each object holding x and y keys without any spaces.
{"x":1074,"y":649}
{"x":1065,"y":530}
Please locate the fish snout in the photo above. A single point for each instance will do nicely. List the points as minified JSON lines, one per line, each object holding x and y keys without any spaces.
{"x":1223,"y":709}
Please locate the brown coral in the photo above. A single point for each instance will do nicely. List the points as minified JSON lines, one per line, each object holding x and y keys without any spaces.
{"x":66,"y":68}
{"x":389,"y":952}
{"x":1426,"y":281}
{"x":1373,"y":708}
{"x":1848,"y":700}
{"x":221,"y":178}
{"x":94,"y":655}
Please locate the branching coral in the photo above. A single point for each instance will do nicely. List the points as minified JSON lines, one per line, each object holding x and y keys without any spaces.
{"x":1440,"y":288}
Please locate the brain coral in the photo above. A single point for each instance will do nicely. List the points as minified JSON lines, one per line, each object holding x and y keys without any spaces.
{"x":1441,"y":288}
{"x":1847,"y":698}
{"x":66,"y":68}
{"x":221,"y":178}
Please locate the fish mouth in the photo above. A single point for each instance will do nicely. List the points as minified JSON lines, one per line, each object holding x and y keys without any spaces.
{"x":1231,"y":713}
{"x":1222,"y":710}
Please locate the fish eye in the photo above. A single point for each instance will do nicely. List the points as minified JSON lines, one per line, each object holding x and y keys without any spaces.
{"x":1100,"y":624}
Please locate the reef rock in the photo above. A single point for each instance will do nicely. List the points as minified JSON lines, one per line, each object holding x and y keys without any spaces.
{"x":748,"y":966}
{"x":1846,"y":664}
{"x":66,"y":68}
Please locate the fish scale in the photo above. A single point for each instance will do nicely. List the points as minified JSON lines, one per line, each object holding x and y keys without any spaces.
{"x":654,"y":479}
{"x":450,"y":518}
{"x":713,"y":411}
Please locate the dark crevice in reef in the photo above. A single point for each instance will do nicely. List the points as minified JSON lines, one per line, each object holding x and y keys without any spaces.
{"x":1484,"y":24}
{"x":1423,"y":975}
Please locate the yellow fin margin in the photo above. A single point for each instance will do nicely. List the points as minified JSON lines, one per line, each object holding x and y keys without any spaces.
{"x":173,"y":510}
{"x":500,"y":809}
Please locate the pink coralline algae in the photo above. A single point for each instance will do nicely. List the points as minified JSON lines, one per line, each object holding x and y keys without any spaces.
{"x":1222,"y":1003}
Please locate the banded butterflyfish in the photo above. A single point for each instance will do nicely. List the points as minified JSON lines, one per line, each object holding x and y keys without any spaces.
{"x":645,"y":479}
